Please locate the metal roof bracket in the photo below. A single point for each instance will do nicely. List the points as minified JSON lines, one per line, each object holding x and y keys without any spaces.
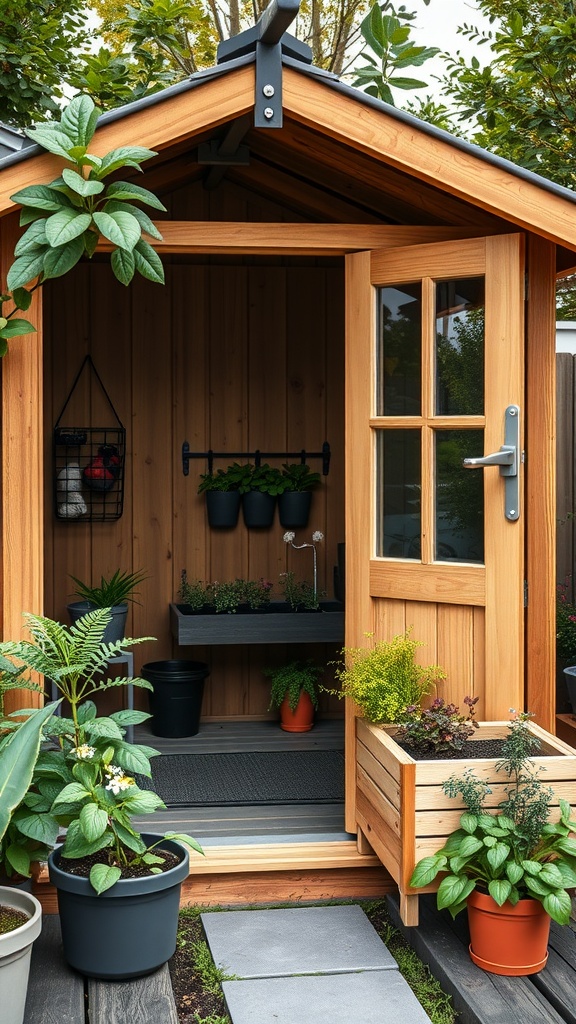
{"x":268,"y":98}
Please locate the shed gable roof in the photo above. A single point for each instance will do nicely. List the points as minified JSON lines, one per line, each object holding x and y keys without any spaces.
{"x":385,"y":162}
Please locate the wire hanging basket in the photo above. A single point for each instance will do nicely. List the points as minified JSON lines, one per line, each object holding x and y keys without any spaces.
{"x":88,"y":463}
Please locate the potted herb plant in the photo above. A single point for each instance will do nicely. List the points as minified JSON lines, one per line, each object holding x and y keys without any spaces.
{"x":296,"y":497}
{"x":223,"y":491}
{"x":294,"y":689}
{"x":118,"y":890}
{"x":20,"y":912}
{"x":259,"y":501}
{"x":512,"y":866}
{"x":112,"y":593}
{"x":566,"y":638}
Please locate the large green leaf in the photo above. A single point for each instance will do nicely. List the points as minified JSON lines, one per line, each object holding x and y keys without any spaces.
{"x":123,"y":265}
{"x":76,"y":845}
{"x":93,"y":821}
{"x":22,"y":298}
{"x":53,"y":139}
{"x":559,"y":906}
{"x":126,"y":190}
{"x":147,"y":225}
{"x":79,"y":120}
{"x":497,"y":855}
{"x":41,"y":197}
{"x":103,"y":728}
{"x":18,"y":859}
{"x":66,"y":225}
{"x":469,"y":822}
{"x":499,"y":889}
{"x":120,"y":228}
{"x":33,"y":238}
{"x":470,"y":846}
{"x":103,"y":877}
{"x":82,"y":186}
{"x":124,"y":156}
{"x":25,"y":268}
{"x":144,"y":801}
{"x":514,"y":872}
{"x":452,"y":889}
{"x":181,"y":837}
{"x":73,"y":793}
{"x":16,"y":327}
{"x":58,"y":262}
{"x":148,"y":262}
{"x":133,"y":760}
{"x":42,"y":827}
{"x":17,"y":760}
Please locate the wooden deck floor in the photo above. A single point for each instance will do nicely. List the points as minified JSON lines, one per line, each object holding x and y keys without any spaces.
{"x":482,"y":998}
{"x":251,"y":824}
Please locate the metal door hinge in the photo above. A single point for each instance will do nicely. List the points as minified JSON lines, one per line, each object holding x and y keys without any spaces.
{"x":525,"y":593}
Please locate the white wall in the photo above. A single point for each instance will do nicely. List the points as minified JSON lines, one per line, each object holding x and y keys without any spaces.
{"x":566,"y":336}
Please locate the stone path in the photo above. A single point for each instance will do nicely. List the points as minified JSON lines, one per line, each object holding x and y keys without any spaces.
{"x":311,"y":965}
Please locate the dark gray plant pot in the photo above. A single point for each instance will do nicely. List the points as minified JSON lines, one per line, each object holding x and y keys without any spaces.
{"x":115,"y":630}
{"x":258,"y":509}
{"x":223,"y":509}
{"x":294,"y":508}
{"x":127,"y":931}
{"x":570,"y":677}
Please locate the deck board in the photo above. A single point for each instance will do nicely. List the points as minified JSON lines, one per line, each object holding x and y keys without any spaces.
{"x":483,"y":998}
{"x":147,"y":1000}
{"x":55,"y":991}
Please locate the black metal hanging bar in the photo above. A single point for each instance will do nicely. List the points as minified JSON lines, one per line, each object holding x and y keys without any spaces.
{"x":257,"y":455}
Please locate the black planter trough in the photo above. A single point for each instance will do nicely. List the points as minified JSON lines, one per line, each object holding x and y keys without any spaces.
{"x":277,"y":625}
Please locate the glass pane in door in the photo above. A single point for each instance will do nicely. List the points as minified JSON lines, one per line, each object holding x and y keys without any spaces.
{"x":459,"y":497}
{"x":460,"y":347}
{"x":398,"y":356}
{"x":398,"y":480}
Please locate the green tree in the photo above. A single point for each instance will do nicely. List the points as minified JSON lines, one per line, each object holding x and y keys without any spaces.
{"x":38,"y":43}
{"x":522,"y":103}
{"x":389,"y":51}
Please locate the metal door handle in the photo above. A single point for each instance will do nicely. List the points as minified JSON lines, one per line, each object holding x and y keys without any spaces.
{"x":507,"y":459}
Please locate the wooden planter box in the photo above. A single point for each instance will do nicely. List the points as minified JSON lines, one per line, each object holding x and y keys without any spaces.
{"x":404,"y":815}
{"x":271,"y":627}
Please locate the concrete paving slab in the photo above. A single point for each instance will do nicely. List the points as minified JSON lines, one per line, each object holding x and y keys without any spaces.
{"x":302,"y":940}
{"x":370,"y":998}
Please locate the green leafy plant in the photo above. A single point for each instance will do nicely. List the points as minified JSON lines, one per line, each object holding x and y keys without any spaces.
{"x":301,"y":595}
{"x":291,"y":680}
{"x":65,"y":219}
{"x":234,"y":478}
{"x":384,"y":680}
{"x":19,"y":749}
{"x":192,"y":592}
{"x":439,"y":729}
{"x":513,"y":853}
{"x":565,"y":622}
{"x":110,"y":592}
{"x":83,"y":778}
{"x":388,"y":51}
{"x":266,"y":479}
{"x":299,"y":477}
{"x":256,"y":593}
{"x":225,"y":596}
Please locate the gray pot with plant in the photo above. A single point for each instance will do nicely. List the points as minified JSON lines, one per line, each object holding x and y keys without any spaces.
{"x":294,"y":690}
{"x":259,"y":502}
{"x":223,"y":491}
{"x":295,"y":500}
{"x":113,"y":594}
{"x":86,"y":773}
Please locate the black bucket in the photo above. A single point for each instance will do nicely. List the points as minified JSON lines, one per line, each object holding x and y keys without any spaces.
{"x":176,"y":702}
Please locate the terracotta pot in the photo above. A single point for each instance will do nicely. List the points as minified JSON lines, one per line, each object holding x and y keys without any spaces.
{"x":299,"y":720}
{"x":508,"y":940}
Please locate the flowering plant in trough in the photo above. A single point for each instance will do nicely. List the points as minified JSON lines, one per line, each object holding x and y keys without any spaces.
{"x":317,"y":536}
{"x":84,"y":776}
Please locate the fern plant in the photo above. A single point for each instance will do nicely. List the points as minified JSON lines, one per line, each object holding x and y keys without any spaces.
{"x":85,"y":781}
{"x":291,"y":680}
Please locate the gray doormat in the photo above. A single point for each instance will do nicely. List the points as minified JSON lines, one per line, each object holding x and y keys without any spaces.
{"x":258,"y":777}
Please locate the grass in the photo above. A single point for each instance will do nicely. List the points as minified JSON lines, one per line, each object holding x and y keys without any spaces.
{"x":197,"y":981}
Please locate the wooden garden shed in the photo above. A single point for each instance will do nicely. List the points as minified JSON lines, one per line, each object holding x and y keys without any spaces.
{"x":317,"y":245}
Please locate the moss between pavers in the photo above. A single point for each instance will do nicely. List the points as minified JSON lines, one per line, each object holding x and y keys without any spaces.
{"x":197,"y":981}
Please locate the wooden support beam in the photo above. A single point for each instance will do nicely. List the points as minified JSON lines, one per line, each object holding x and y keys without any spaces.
{"x":290,"y":239}
{"x":22,"y":465}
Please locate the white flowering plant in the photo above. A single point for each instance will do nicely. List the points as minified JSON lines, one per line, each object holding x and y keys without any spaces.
{"x":84,"y":778}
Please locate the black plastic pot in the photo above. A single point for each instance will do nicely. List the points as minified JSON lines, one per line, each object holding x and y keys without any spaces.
{"x":223,"y":508}
{"x":570,"y":677}
{"x":294,"y":508}
{"x":115,"y":630}
{"x":258,"y":509}
{"x":127,"y":931}
{"x":176,"y":702}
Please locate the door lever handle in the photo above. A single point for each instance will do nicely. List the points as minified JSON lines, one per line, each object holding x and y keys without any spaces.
{"x":508,"y":461}
{"x":505,"y":458}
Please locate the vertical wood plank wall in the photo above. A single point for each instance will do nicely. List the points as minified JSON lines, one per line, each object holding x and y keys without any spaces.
{"x":230,"y":355}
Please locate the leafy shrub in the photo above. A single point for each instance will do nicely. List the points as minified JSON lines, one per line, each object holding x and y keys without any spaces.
{"x":440,"y":728}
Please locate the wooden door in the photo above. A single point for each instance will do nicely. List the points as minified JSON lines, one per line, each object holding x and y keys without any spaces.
{"x":435,"y":357}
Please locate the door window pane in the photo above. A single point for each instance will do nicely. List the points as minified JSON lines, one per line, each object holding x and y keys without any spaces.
{"x":398,"y":493}
{"x":459,"y":497}
{"x":399,"y":360}
{"x":460,"y":347}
